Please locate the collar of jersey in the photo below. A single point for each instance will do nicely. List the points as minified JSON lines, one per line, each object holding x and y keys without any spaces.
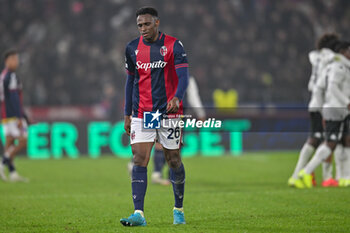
{"x":151,"y":43}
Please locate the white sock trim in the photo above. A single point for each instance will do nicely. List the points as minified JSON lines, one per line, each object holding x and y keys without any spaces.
{"x":179,"y":209}
{"x":140,"y":212}
{"x":8,"y":152}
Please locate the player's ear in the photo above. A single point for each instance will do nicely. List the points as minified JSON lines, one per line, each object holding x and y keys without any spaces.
{"x":157,"y":22}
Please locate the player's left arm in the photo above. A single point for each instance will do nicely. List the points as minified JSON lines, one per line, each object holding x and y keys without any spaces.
{"x":181,"y":67}
{"x":130,"y":70}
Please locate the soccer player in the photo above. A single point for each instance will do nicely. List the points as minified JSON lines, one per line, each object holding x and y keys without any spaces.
{"x":319,"y":59}
{"x":157,"y":79}
{"x":13,"y":117}
{"x":335,"y":112}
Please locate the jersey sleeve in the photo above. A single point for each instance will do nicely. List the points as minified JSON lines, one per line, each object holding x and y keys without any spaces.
{"x":337,"y":74}
{"x":6,"y":81}
{"x":180,"y":56}
{"x":336,"y":79}
{"x":12,"y":91}
{"x":129,"y":64}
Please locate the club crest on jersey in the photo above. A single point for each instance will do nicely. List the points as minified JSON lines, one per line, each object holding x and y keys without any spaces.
{"x":163,"y":51}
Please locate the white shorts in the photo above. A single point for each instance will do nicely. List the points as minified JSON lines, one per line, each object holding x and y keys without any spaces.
{"x":334,"y":114}
{"x":167,"y":135}
{"x":11,"y":128}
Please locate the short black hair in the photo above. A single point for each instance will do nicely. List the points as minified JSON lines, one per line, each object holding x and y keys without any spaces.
{"x":328,"y":40}
{"x":342,"y":45}
{"x":9,"y":53}
{"x":147,"y":10}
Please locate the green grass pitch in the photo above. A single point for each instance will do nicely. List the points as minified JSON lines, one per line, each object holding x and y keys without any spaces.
{"x":223,"y":194}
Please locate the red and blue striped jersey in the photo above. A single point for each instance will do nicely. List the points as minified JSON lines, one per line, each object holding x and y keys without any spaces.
{"x":11,"y":95}
{"x":154,"y":68}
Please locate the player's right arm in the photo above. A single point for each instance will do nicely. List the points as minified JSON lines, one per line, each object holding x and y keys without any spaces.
{"x":128,"y":103}
{"x":130,"y":70}
{"x":181,"y":67}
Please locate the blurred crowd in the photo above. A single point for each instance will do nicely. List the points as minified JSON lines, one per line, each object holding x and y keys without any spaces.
{"x":72,"y":52}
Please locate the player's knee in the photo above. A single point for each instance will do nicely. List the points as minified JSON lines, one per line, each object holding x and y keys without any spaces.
{"x":329,"y":159}
{"x":331,"y":144}
{"x":9,"y":140}
{"x":138,"y":161}
{"x":315,"y":142}
{"x":174,"y":161}
{"x":174,"y":164}
{"x":139,"y":158}
{"x":23,"y":141}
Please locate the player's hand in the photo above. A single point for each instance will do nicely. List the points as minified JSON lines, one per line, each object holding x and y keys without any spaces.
{"x":20,"y":124}
{"x":127,"y":124}
{"x":158,"y":146}
{"x":173,"y":105}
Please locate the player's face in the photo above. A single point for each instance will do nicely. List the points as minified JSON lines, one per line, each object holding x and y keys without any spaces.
{"x":12,"y":62}
{"x":148,"y":27}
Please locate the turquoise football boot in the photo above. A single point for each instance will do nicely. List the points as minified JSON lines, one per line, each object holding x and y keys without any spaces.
{"x":179,"y":217}
{"x":134,"y":220}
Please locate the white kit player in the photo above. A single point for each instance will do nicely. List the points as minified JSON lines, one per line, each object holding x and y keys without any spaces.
{"x":336,"y":115}
{"x":319,"y":59}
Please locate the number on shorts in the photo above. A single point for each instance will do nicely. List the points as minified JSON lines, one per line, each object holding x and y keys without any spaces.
{"x":174,"y":132}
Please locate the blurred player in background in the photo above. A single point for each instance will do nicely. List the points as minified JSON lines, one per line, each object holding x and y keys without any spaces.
{"x":13,"y":117}
{"x":319,"y":59}
{"x":336,"y":114}
{"x":157,"y":80}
